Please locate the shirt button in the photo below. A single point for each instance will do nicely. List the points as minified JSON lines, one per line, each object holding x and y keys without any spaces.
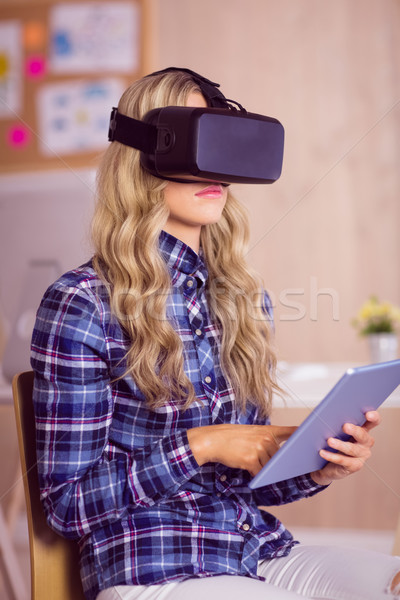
{"x":223,"y":478}
{"x":246,"y":527}
{"x":190,"y":283}
{"x":198,"y":332}
{"x":207,"y":379}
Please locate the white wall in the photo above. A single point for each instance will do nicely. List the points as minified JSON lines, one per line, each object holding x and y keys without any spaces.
{"x":327,"y":234}
{"x":43,"y":216}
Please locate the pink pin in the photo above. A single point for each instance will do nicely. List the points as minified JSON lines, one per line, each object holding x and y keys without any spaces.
{"x":18,"y":136}
{"x":35,"y":67}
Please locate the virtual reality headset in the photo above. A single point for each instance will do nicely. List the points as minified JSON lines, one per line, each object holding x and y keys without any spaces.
{"x":221,"y":143}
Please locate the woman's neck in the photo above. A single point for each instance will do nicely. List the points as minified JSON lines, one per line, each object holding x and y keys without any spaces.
{"x":186,"y":234}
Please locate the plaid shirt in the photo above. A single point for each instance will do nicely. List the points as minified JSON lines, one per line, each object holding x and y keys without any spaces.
{"x":121,"y":478}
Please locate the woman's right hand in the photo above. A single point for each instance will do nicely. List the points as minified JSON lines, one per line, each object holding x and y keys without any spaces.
{"x":246,"y":447}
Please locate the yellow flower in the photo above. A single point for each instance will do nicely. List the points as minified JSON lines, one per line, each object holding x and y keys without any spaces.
{"x":366,"y":312}
{"x":377,"y":317}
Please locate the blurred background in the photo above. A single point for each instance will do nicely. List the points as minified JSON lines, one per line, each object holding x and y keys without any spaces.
{"x":325,"y":237}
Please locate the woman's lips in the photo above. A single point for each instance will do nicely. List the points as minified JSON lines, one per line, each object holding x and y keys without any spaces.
{"x":211,"y":191}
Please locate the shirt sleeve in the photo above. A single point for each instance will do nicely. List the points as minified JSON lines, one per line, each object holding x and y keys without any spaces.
{"x":285,"y":492}
{"x":82,"y":483}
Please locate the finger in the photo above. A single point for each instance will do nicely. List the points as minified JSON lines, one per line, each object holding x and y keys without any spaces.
{"x":350,"y":463}
{"x":351,"y":449}
{"x":262,"y":458}
{"x":265,"y":448}
{"x":271,"y":448}
{"x":373,"y":419}
{"x":265,"y":456}
{"x":359,"y":434}
{"x":281,"y":433}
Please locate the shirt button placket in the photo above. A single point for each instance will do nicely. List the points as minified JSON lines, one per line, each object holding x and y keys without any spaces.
{"x":221,"y":484}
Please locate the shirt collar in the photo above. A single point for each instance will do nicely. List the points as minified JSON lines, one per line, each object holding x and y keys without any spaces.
{"x":180,"y":258}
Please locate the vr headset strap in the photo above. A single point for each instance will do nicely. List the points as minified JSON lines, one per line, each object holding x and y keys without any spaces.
{"x":208,"y":88}
{"x":132,"y":132}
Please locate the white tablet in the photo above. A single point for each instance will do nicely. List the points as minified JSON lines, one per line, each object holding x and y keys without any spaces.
{"x":359,"y":390}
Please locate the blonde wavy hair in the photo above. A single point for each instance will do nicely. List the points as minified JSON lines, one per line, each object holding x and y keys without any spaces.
{"x":129,"y":216}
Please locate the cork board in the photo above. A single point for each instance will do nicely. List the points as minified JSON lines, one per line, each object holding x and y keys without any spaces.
{"x":63,"y":65}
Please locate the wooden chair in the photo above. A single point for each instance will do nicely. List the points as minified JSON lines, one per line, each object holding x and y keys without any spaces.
{"x":54,"y":560}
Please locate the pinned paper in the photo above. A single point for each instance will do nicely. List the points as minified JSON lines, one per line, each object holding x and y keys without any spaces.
{"x":74,"y":116}
{"x":10,"y":68}
{"x":92,"y":37}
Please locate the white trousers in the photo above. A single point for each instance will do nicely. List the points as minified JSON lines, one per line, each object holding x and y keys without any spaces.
{"x":313,"y":572}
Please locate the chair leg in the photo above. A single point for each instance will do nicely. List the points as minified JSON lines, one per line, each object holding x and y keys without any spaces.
{"x":14,"y":579}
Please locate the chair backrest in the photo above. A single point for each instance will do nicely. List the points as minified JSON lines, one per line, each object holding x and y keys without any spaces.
{"x":54,"y":560}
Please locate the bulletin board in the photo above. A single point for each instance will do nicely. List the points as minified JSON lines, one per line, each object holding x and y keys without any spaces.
{"x":63,"y":65}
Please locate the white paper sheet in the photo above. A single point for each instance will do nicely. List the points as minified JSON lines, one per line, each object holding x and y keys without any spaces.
{"x":94,"y":37}
{"x":10,"y":68}
{"x":74,"y":116}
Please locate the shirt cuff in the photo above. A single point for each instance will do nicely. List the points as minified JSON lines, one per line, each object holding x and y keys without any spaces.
{"x":163,"y":469}
{"x":307,"y":485}
{"x":181,"y":460}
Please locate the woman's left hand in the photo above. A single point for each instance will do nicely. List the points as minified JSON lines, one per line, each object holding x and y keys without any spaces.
{"x":351,"y":455}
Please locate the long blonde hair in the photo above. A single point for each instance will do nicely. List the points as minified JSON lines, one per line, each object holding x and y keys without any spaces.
{"x":129,"y":216}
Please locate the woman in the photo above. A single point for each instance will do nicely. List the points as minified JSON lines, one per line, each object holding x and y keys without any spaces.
{"x":154,"y":373}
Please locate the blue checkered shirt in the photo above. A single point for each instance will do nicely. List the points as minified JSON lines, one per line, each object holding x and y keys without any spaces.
{"x":121,"y":478}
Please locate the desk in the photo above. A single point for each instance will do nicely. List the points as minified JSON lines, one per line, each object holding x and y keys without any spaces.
{"x":369,"y":499}
{"x":306,"y":384}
